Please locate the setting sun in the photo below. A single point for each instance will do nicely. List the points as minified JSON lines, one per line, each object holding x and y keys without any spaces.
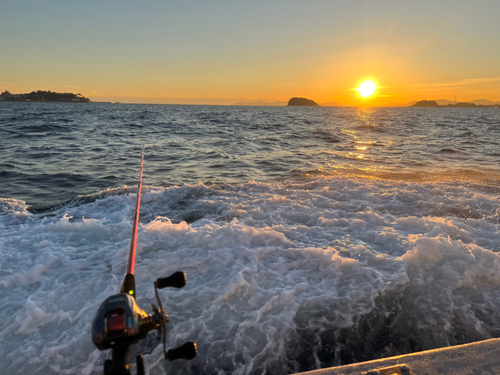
{"x":367,"y":88}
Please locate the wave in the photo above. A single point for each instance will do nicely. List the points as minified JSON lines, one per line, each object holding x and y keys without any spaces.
{"x":449,"y":151}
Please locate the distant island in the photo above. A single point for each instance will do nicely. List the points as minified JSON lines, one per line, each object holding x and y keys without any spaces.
{"x":302,"y":102}
{"x":434,"y":104}
{"x":44,"y":96}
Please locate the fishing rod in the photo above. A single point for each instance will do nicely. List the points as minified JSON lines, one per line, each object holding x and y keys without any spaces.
{"x":129,"y":282}
{"x":120,"y":322}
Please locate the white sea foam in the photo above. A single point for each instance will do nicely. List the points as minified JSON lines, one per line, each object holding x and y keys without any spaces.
{"x":281,"y":278}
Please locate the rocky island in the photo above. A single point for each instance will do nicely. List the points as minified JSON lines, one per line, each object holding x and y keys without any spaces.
{"x":44,"y":96}
{"x":302,"y":102}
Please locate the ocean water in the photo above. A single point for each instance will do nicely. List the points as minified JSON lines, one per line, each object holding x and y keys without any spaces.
{"x":311,"y":237}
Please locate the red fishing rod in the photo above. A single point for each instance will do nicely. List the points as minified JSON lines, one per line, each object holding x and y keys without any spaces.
{"x":129,"y":282}
{"x":120,"y":322}
{"x":133,"y":240}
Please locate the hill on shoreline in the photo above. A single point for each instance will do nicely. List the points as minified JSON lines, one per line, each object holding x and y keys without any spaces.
{"x":435,"y":104}
{"x":44,"y":96}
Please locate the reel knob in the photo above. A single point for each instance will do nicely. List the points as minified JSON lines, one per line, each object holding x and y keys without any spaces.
{"x":186,"y":351}
{"x":176,"y":280}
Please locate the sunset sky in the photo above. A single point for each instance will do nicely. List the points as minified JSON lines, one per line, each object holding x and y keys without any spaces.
{"x":221,"y":52}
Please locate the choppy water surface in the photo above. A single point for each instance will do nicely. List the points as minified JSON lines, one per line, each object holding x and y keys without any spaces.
{"x":311,"y":237}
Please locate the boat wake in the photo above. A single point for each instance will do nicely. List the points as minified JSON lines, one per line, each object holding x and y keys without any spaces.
{"x":282,"y":277}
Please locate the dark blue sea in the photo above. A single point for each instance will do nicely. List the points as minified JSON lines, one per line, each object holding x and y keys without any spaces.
{"x":311,"y":236}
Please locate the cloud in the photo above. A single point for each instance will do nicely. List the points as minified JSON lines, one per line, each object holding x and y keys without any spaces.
{"x":482,"y":80}
{"x":463,"y":82}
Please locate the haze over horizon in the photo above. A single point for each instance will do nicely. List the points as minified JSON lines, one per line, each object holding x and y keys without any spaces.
{"x":226,"y":52}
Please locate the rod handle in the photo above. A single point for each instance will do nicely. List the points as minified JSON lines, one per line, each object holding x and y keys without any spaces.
{"x":128,"y":286}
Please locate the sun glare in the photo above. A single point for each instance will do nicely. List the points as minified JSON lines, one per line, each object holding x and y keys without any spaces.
{"x":367,"y":88}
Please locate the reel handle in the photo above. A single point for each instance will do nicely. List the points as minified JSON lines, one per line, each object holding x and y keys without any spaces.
{"x":176,"y":280}
{"x":187,"y":350}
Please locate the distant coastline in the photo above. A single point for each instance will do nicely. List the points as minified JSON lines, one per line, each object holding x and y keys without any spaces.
{"x":44,"y":96}
{"x":57,"y":97}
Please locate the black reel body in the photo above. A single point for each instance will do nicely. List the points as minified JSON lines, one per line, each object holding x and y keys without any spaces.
{"x":121,"y":322}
